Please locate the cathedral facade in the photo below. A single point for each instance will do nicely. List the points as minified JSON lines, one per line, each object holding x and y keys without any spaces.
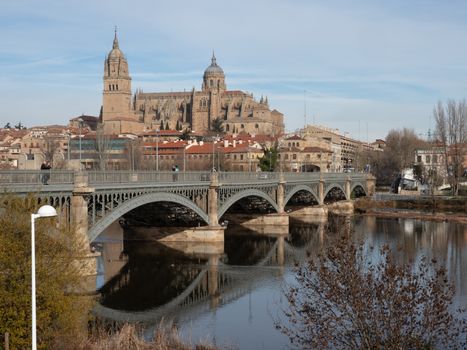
{"x":194,"y":110}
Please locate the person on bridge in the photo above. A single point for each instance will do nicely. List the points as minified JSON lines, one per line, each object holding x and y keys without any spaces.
{"x":45,"y":172}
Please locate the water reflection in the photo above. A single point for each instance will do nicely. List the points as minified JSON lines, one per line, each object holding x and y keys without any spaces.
{"x":206,"y":288}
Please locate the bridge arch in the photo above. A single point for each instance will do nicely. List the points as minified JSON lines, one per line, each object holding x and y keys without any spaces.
{"x":244,"y":194}
{"x":298,"y":189}
{"x":358,"y":184}
{"x":136,"y":202}
{"x":334,"y":185}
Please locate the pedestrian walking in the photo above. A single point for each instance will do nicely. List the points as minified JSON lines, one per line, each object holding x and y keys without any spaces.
{"x":45,"y":172}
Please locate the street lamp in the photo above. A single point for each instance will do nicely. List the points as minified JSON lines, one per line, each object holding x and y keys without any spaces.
{"x":68,"y":148}
{"x":46,"y":211}
{"x":213,"y":145}
{"x":157,"y":149}
{"x":80,"y":121}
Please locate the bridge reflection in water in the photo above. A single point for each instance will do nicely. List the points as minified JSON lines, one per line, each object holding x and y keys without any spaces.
{"x":145,"y":281}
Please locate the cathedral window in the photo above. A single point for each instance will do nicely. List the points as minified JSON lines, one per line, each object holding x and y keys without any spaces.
{"x":211,"y":83}
{"x":117,"y":87}
{"x":242,"y":126}
{"x":256,"y":126}
{"x":227,"y":127}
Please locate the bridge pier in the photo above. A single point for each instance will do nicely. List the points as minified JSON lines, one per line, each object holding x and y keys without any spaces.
{"x":79,"y":222}
{"x":347,"y":187}
{"x":269,"y":224}
{"x":310,"y":214}
{"x":212,"y":200}
{"x":281,"y":193}
{"x":321,"y":190}
{"x":370,"y":185}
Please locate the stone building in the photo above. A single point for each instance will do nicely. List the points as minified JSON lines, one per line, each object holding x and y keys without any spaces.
{"x":123,"y":112}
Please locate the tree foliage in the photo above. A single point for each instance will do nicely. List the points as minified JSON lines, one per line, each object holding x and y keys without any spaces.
{"x":60,"y":315}
{"x":20,"y":126}
{"x":344,"y":301}
{"x":268,"y":161}
{"x":217,"y":125}
{"x":397,"y":155}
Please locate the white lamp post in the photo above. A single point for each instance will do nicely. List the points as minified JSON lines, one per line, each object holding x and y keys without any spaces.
{"x":80,"y":121}
{"x":157,"y":149}
{"x":45,"y":211}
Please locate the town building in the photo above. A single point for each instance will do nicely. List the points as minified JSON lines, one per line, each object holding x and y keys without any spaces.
{"x":343,"y":144}
{"x":298,"y":154}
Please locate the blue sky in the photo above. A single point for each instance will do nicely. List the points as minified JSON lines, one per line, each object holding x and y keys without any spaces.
{"x":365,"y":65}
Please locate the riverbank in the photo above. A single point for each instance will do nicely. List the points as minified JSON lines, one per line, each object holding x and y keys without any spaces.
{"x":424,"y":208}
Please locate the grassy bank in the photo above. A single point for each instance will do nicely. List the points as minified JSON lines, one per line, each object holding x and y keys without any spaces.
{"x":128,"y":338}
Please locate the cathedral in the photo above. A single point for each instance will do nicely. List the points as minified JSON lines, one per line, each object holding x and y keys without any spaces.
{"x":194,"y":110}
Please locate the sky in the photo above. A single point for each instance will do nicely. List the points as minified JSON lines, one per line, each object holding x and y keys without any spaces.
{"x":363,"y":67}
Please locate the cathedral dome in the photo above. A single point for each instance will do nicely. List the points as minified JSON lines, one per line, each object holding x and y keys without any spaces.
{"x":213,"y":69}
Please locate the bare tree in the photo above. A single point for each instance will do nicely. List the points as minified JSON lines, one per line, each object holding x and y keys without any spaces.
{"x":51,"y":146}
{"x":451,"y":131}
{"x":343,"y":300}
{"x":102,"y":147}
{"x":397,"y":155}
{"x":135,"y":156}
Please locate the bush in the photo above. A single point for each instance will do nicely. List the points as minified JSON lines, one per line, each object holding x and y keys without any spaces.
{"x":344,"y":301}
{"x":61,"y":316}
{"x":166,"y":337}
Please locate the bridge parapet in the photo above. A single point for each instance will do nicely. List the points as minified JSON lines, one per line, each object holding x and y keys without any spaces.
{"x":36,"y":177}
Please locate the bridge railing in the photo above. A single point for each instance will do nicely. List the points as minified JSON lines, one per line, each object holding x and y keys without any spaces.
{"x":124,"y":176}
{"x":240,"y":176}
{"x":301,"y":176}
{"x":33,"y":177}
{"x":56,"y":176}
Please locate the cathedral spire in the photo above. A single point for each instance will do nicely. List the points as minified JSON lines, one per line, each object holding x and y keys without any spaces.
{"x":213,"y":59}
{"x":115,"y":44}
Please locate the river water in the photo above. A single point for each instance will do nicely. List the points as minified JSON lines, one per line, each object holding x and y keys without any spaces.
{"x":230,"y":294}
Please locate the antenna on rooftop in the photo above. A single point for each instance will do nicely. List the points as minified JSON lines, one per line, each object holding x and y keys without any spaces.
{"x":304,"y":107}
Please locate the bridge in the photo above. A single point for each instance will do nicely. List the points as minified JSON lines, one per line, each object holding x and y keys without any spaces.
{"x":92,"y":200}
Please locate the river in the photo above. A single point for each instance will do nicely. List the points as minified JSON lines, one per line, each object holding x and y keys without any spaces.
{"x":231,"y":294}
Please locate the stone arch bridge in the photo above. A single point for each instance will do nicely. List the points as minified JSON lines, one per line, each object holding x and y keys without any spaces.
{"x":93,"y":200}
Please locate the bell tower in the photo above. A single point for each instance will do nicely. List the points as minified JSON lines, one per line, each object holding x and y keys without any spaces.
{"x":117,"y":85}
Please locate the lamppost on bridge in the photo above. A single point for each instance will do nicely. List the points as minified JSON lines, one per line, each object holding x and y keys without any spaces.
{"x":80,"y":121}
{"x":68,"y":133}
{"x":46,"y":211}
{"x":157,"y":149}
{"x":213,"y":145}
